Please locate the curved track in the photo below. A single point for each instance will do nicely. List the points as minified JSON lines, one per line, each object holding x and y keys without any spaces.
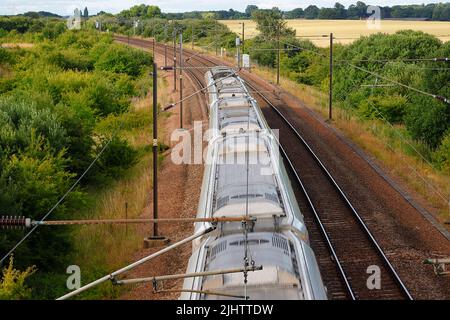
{"x":346,"y":251}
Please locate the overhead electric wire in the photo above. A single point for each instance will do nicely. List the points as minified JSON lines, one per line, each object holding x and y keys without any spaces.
{"x":435,"y":96}
{"x":433,"y":188}
{"x":438,"y":97}
{"x":72,"y":187}
{"x":440,"y":59}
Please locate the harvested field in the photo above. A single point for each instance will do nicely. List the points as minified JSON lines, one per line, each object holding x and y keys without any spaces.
{"x":346,"y":31}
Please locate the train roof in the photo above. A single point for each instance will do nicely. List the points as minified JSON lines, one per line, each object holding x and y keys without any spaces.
{"x":220,"y":72}
{"x":236,"y":115}
{"x":245,"y":178}
{"x":284,"y":276}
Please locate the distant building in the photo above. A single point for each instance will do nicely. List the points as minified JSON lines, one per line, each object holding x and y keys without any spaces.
{"x":74,"y":22}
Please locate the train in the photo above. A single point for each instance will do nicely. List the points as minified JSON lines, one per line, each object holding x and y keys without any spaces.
{"x":244,"y":176}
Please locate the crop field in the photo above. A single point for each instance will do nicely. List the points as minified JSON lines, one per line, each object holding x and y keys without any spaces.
{"x":346,"y":31}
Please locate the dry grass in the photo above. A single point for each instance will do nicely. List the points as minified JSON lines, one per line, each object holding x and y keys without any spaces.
{"x":346,"y":31}
{"x":17,"y":45}
{"x":380,"y":140}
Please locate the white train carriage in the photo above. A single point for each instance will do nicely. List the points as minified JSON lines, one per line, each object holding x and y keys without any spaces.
{"x":234,"y":115}
{"x":224,"y":83}
{"x":244,"y":175}
{"x":290,"y":270}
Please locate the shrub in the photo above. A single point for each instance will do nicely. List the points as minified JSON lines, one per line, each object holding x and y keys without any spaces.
{"x":442,"y":155}
{"x":5,"y":56}
{"x":12,"y":284}
{"x":22,"y":121}
{"x":392,"y":108}
{"x":119,"y":59}
{"x":117,"y":157}
{"x":427,"y":120}
{"x":71,"y":60}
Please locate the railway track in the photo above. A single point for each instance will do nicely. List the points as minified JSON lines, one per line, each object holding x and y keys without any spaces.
{"x":346,"y":250}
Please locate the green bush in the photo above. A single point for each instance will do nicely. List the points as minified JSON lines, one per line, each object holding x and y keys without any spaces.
{"x":119,"y":59}
{"x":116,"y":158}
{"x":71,"y":60}
{"x":12,"y":283}
{"x":442,"y":155}
{"x":391,"y":108}
{"x":22,"y":121}
{"x":5,"y":56}
{"x":427,"y":120}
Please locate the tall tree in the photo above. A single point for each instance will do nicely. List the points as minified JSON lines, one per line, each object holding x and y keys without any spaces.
{"x":86,"y":13}
{"x":270,"y":22}
{"x":312,"y":12}
{"x":249,"y":10}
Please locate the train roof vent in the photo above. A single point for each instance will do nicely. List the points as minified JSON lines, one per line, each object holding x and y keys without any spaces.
{"x":250,"y":242}
{"x":294,"y":259}
{"x":271,"y":197}
{"x":221,"y":246}
{"x":223,"y":201}
{"x":281,"y":243}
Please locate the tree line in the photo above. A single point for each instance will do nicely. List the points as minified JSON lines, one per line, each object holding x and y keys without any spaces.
{"x":432,"y":11}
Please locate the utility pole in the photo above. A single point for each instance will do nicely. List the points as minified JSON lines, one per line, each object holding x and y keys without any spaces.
{"x":155,"y":149}
{"x":330,"y":103}
{"x":155,"y":239}
{"x":181,"y":80}
{"x":278,"y":56}
{"x":174,"y":59}
{"x":238,"y":47}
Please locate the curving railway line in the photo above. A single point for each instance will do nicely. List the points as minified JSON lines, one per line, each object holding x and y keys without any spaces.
{"x":346,"y":250}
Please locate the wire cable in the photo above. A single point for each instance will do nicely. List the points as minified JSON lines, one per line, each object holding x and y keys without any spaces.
{"x":64,"y":196}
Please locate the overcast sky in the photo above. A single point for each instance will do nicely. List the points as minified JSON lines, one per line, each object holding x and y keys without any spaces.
{"x":66,"y":7}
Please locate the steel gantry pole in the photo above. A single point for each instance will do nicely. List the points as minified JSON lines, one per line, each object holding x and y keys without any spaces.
{"x":155,"y":150}
{"x":330,"y":102}
{"x":181,"y":80}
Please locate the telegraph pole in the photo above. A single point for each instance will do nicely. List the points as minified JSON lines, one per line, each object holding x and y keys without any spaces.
{"x":181,"y":80}
{"x":238,"y":47}
{"x":155,"y":149}
{"x":155,"y":239}
{"x":330,"y":103}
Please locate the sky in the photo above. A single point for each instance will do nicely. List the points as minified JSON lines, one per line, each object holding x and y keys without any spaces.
{"x":66,"y":7}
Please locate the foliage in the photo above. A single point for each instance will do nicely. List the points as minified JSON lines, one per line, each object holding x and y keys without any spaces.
{"x":270,"y":23}
{"x":12,"y":284}
{"x":391,"y":108}
{"x":119,"y":59}
{"x":51,"y":100}
{"x":441,"y":156}
{"x":428,"y":120}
